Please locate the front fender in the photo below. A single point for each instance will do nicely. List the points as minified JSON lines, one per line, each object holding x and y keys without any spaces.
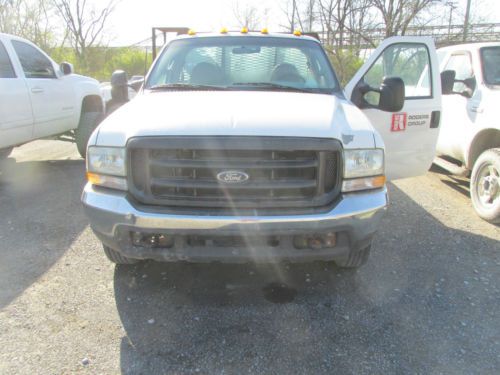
{"x":85,"y":87}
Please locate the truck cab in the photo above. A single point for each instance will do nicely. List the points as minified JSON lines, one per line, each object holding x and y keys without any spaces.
{"x":40,"y":99}
{"x":469,"y":142}
{"x":242,"y":146}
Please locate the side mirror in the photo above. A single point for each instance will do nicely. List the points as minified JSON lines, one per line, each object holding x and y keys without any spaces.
{"x":447,"y":81}
{"x":470,"y":83}
{"x":119,"y":86}
{"x":66,"y":68}
{"x":392,"y":94}
{"x":119,"y":78}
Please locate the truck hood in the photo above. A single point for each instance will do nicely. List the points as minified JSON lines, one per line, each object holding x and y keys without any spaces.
{"x":237,"y":113}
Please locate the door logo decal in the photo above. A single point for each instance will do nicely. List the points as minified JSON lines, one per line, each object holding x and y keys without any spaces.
{"x":398,"y":122}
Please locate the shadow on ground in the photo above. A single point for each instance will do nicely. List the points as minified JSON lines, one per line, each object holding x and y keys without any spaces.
{"x":39,"y":220}
{"x":457,"y":183}
{"x":416,"y":307}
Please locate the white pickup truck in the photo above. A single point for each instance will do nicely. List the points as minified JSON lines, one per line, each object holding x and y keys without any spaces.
{"x":41,"y":99}
{"x":469,"y":141}
{"x":242,"y":146}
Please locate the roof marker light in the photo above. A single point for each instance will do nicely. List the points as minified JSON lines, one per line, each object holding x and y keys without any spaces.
{"x":297,"y":33}
{"x":223,"y":30}
{"x":191,"y":32}
{"x":244,"y":30}
{"x":264,"y":31}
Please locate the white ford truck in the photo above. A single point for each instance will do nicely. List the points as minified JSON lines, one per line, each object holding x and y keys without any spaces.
{"x":242,"y":146}
{"x":469,"y":141}
{"x":41,"y":99}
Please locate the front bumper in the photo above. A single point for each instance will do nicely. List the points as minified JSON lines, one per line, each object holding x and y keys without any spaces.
{"x":113,"y":217}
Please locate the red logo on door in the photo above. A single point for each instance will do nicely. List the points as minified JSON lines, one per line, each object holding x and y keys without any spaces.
{"x":398,"y":122}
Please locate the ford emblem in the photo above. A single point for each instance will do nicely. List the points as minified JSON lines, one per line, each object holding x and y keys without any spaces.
{"x":232,"y":177}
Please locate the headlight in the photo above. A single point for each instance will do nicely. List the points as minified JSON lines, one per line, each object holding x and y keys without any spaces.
{"x":363,"y":163}
{"x":106,"y":160}
{"x":106,"y":167}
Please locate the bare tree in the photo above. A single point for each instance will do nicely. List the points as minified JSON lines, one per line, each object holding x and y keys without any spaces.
{"x":397,"y":15}
{"x":85,"y":24}
{"x":300,"y":15}
{"x":246,"y":15}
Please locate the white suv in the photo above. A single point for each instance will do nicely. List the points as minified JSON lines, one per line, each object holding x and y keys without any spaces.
{"x":40,"y":99}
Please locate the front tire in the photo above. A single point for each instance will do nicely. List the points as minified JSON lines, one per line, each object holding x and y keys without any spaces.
{"x":485,"y":185}
{"x":117,"y":258}
{"x":5,"y":152}
{"x":88,"y":123}
{"x":356,"y":258}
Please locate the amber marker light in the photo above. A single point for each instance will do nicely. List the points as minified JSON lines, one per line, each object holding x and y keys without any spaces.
{"x":191,"y":32}
{"x":93,"y":178}
{"x":297,"y":33}
{"x":244,"y":30}
{"x":223,"y":30}
{"x":264,"y":31}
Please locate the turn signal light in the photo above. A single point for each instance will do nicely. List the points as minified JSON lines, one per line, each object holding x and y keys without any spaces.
{"x":112,"y":182}
{"x":365,"y":183}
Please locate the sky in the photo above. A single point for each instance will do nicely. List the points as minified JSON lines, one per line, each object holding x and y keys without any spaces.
{"x":133,"y":19}
{"x":132,"y":22}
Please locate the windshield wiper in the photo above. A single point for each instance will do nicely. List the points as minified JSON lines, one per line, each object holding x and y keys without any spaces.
{"x":272,"y":86}
{"x":184,"y":86}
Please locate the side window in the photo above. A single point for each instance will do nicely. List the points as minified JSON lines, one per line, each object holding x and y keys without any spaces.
{"x":34,"y":63}
{"x":461,"y":64}
{"x":408,"y":61}
{"x":6,"y":69}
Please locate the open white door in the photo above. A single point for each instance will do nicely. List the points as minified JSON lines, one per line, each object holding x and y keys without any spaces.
{"x":410,"y":135}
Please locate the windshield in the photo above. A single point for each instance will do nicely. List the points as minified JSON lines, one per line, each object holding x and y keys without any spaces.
{"x":244,"y":63}
{"x":490,"y":57}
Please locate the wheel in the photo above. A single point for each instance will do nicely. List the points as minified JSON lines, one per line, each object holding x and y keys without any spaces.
{"x":5,"y":152}
{"x":88,"y":122}
{"x":485,"y":185}
{"x":118,"y":258}
{"x":355,"y":259}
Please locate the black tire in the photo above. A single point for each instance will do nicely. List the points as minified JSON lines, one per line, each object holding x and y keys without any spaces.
{"x":355,"y":259}
{"x":115,"y":257}
{"x":5,"y":152}
{"x":88,"y":123}
{"x":485,"y":185}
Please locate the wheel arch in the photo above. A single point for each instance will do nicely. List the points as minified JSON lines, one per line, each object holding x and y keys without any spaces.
{"x":92,"y":103}
{"x":484,"y":140}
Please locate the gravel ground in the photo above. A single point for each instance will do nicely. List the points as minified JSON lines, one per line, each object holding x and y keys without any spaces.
{"x":427,"y":302}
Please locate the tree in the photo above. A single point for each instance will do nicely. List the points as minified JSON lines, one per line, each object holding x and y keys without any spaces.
{"x":85,"y":25}
{"x":397,"y":15}
{"x":246,"y":15}
{"x":28,"y":19}
{"x":300,"y":14}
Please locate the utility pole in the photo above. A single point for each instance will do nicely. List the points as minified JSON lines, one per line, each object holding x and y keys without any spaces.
{"x":452,"y":6}
{"x":466,"y":21}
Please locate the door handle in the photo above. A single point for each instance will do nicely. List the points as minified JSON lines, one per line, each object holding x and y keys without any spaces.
{"x":36,"y":90}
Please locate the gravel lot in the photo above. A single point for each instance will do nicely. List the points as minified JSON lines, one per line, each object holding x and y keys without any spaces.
{"x":428,"y":301}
